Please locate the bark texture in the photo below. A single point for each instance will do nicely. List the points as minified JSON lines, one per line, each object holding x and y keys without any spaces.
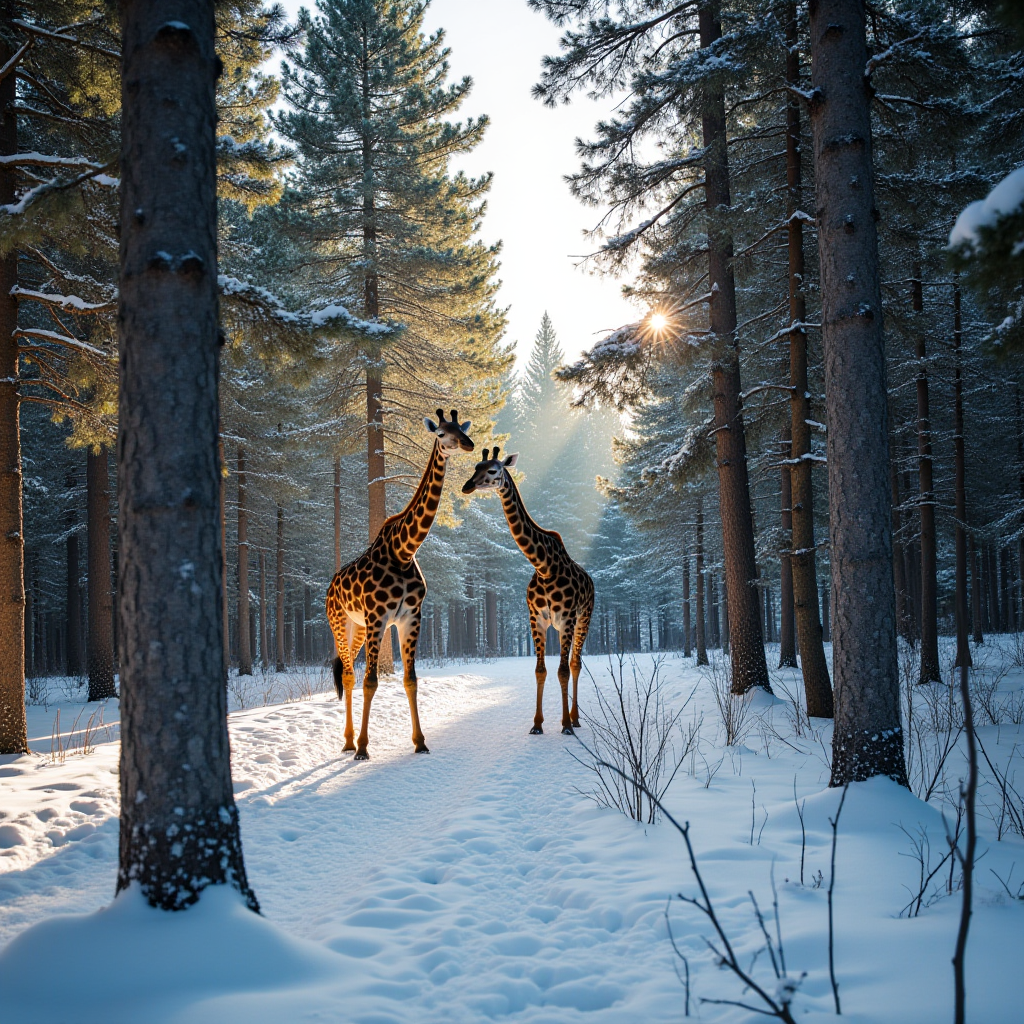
{"x":264,"y":636}
{"x":868,"y":737}
{"x":813,"y":666}
{"x":749,"y":667}
{"x":963,"y":647}
{"x":101,"y":592}
{"x":787,"y":631}
{"x":13,"y":730}
{"x":179,"y":823}
{"x":930,"y":671}
{"x":244,"y":637}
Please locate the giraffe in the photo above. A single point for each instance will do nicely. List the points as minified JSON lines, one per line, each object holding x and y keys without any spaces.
{"x":561,"y":593}
{"x":384,"y":585}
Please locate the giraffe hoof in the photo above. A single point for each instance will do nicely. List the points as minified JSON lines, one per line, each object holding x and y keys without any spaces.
{"x":421,"y":748}
{"x":536,"y":731}
{"x":567,"y":730}
{"x":361,"y":755}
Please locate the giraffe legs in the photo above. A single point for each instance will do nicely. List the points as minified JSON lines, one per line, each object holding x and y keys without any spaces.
{"x":541,"y":672}
{"x":576,"y":661}
{"x":565,"y":636}
{"x":408,"y":632}
{"x":354,"y":636}
{"x":375,"y":631}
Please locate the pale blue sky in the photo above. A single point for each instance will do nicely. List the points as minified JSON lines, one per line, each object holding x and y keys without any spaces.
{"x":529,"y":148}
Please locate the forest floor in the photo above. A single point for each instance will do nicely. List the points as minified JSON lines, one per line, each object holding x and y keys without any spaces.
{"x":479,"y":882}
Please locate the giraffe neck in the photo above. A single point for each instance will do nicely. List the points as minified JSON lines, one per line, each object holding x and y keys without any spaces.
{"x":538,"y":545}
{"x":403,"y":534}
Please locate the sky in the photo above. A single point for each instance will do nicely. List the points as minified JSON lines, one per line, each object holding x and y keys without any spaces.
{"x":529,"y":148}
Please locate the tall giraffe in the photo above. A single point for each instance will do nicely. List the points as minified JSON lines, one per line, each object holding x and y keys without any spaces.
{"x":561,"y":593}
{"x":384,"y":585}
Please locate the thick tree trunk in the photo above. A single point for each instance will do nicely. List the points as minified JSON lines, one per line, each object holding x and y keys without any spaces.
{"x":749,"y":667}
{"x":813,"y":666}
{"x":963,"y":648}
{"x":13,"y":730}
{"x":929,"y":665}
{"x":868,"y":737}
{"x":73,"y":664}
{"x":244,"y":640}
{"x":279,"y":593}
{"x":702,"y":640}
{"x":179,"y":823}
{"x":686,"y":606}
{"x":101,"y":595}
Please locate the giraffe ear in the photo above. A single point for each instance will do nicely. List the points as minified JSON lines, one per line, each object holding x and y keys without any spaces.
{"x":511,"y":460}
{"x":465,"y":427}
{"x":430,"y":424}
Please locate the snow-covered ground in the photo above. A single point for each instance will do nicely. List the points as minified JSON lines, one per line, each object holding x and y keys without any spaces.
{"x":478,"y":883}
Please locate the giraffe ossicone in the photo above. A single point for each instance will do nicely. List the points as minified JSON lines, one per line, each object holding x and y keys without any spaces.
{"x":384,"y":586}
{"x":560,"y":594}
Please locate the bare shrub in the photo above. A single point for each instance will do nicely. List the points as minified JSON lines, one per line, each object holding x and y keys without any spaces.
{"x":635,"y":733}
{"x":37,"y":691}
{"x":733,"y":709}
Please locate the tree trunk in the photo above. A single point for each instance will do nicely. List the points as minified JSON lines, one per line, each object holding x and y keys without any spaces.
{"x":749,"y":667}
{"x":714,"y":622}
{"x":686,"y":606}
{"x":491,"y":620}
{"x":702,"y":642}
{"x":179,"y":823}
{"x":264,"y":635}
{"x":976,"y":603}
{"x":787,"y":634}
{"x":903,"y":619}
{"x":868,"y":737}
{"x":73,"y":601}
{"x":307,"y":618}
{"x":963,"y":648}
{"x":30,"y":627}
{"x":279,"y":592}
{"x":337,"y":514}
{"x":101,"y":596}
{"x":992,"y":572}
{"x":930,"y":671}
{"x":803,"y":572}
{"x":244,"y":640}
{"x":13,"y":729}
{"x":225,"y":613}
{"x":299,"y":634}
{"x":725,"y":616}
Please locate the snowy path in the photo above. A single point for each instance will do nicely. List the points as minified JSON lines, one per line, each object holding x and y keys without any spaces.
{"x":475,"y":883}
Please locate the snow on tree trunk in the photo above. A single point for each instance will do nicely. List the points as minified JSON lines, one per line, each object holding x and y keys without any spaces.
{"x":868,"y":737}
{"x":963,"y":648}
{"x":787,"y":631}
{"x":930,"y":671}
{"x":13,"y":729}
{"x":244,"y":640}
{"x":101,"y":595}
{"x":813,"y":666}
{"x":179,"y":823}
{"x":749,"y":667}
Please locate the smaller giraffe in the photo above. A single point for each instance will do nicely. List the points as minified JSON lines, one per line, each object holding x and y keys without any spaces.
{"x":561,"y":593}
{"x":384,"y":585}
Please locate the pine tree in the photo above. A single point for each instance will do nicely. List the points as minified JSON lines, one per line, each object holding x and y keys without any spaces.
{"x":380,"y":220}
{"x":179,"y":823}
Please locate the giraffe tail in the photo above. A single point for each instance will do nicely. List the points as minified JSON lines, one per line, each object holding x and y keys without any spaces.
{"x":336,"y":667}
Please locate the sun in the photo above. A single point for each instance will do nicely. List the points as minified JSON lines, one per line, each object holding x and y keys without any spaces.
{"x":658,"y":322}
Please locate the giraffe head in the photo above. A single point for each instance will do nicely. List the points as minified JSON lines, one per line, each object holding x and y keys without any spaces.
{"x":490,"y":475}
{"x":451,"y":435}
